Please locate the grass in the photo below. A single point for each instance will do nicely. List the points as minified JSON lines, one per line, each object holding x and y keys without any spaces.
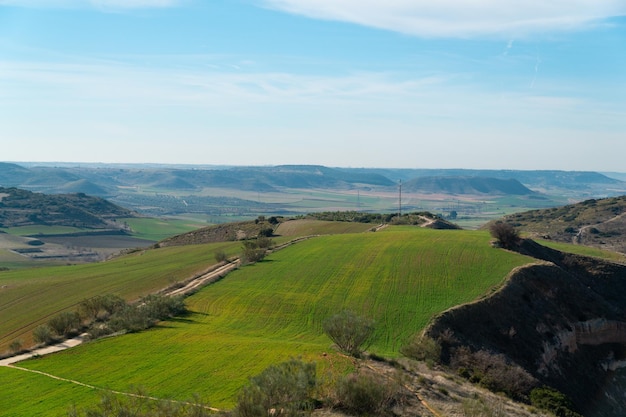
{"x":273,"y":310}
{"x":159,"y":229}
{"x":29,"y":297}
{"x":42,"y":230}
{"x":584,"y":250}
{"x":308,"y":227}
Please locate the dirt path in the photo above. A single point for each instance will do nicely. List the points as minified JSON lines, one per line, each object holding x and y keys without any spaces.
{"x":213,"y":274}
{"x":579,"y":236}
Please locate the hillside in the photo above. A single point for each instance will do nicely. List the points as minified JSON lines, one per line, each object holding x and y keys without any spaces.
{"x":267,"y":312}
{"x":466,"y":185}
{"x":25,"y":208}
{"x":562,"y":320}
{"x":599,"y":223}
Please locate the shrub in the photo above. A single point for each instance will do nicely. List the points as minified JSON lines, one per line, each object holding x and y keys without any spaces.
{"x":422,"y":348}
{"x":505,"y":234}
{"x":220,"y":256}
{"x":66,"y":323}
{"x":16,"y":346}
{"x":100,"y":307}
{"x":160,"y":307}
{"x":43,"y":334}
{"x":554,"y":401}
{"x":252,"y":252}
{"x":493,"y":372}
{"x":366,"y":393}
{"x":263,"y":242}
{"x":285,"y":389}
{"x":349,"y":332}
{"x":132,"y":319}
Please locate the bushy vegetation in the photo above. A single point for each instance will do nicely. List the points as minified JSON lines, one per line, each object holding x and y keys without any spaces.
{"x":554,"y":401}
{"x":422,"y":348}
{"x":252,"y":252}
{"x":286,"y":389}
{"x":350,"y":332}
{"x":102,"y":315}
{"x":493,"y":372}
{"x":505,"y":234}
{"x":365,"y":393}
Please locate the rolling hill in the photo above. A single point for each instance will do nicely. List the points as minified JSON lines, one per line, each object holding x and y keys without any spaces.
{"x":25,"y":208}
{"x":467,"y":185}
{"x":272,"y":310}
{"x":596,"y":222}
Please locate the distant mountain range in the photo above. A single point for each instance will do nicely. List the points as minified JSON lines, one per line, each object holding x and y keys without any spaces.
{"x":107,"y":180}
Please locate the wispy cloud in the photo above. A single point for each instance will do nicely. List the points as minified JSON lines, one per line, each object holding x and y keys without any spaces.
{"x":456,"y":18}
{"x":98,"y":4}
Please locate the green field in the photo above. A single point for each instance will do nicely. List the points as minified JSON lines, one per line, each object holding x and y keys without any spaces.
{"x":29,"y":297}
{"x":273,"y":310}
{"x":308,"y":227}
{"x":159,"y":229}
{"x":584,"y":250}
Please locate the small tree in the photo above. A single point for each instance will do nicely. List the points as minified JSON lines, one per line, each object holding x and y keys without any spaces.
{"x":252,"y":252}
{"x":43,"y":334}
{"x":505,"y":234}
{"x":65,"y":323}
{"x":349,"y":332}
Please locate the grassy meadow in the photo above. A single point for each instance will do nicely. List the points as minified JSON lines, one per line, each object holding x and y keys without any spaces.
{"x":273,"y":310}
{"x":29,"y":297}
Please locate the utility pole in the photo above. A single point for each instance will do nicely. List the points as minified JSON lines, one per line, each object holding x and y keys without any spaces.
{"x":400,"y":199}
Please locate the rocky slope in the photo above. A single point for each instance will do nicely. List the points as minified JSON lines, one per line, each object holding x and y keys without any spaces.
{"x":562,"y":320}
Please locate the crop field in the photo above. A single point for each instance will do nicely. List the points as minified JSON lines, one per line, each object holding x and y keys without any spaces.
{"x":308,"y":227}
{"x":159,"y":229}
{"x":29,"y":297}
{"x":273,"y":310}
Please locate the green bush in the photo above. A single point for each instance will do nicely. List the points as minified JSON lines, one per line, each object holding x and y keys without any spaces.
{"x":220,"y":256}
{"x":285,"y":389}
{"x":422,"y":348}
{"x":366,"y":394}
{"x":252,"y":252}
{"x":554,"y":401}
{"x":65,"y":324}
{"x":351,"y":333}
{"x":43,"y":334}
{"x":100,"y":307}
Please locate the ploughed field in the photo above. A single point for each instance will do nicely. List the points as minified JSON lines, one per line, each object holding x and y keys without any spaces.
{"x":269,"y":312}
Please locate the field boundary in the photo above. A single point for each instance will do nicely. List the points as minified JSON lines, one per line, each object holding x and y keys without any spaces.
{"x":127,"y":394}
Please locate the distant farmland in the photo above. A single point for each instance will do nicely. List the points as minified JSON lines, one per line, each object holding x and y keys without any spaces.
{"x":271,"y":311}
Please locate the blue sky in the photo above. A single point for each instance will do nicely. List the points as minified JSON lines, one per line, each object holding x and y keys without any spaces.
{"x":351,"y":83}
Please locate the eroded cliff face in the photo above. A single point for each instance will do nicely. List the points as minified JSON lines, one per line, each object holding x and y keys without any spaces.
{"x":562,"y":319}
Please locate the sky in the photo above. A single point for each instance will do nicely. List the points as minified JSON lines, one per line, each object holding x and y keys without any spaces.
{"x":485,"y":84}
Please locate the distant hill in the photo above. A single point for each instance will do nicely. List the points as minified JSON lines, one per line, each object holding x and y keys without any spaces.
{"x":466,"y":185}
{"x":24,"y":208}
{"x":599,"y":223}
